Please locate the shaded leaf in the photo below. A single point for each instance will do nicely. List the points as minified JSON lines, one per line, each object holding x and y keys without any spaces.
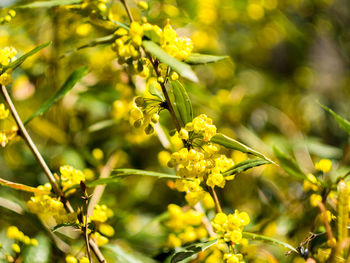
{"x":95,"y":42}
{"x":40,"y":253}
{"x":271,"y":240}
{"x":52,"y":3}
{"x":21,"y":187}
{"x":67,"y":86}
{"x":59,"y":226}
{"x":21,"y":59}
{"x":182,"y":102}
{"x":343,"y":123}
{"x":196,"y":59}
{"x":120,"y":173}
{"x":191,"y":250}
{"x":182,"y":68}
{"x":236,"y":145}
{"x":245,"y":165}
{"x":289,"y":165}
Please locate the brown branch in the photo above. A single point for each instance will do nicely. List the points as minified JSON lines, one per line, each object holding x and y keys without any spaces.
{"x":326,"y":223}
{"x":127,"y":10}
{"x":25,"y":135}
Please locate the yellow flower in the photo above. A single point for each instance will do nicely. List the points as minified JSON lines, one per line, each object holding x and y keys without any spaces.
{"x":173,"y":241}
{"x":99,"y":239}
{"x":315,"y":199}
{"x":4,"y":113}
{"x":71,"y":259}
{"x":143,"y":5}
{"x":84,"y":260}
{"x":106,"y":230}
{"x":16,"y":248}
{"x":324,"y":165}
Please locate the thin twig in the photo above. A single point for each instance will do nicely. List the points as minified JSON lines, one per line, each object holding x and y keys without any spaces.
{"x":326,"y":223}
{"x":23,"y":132}
{"x":127,"y":10}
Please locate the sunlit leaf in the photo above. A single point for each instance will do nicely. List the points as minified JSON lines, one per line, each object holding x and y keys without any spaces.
{"x":191,"y":250}
{"x":21,"y":59}
{"x":21,"y":187}
{"x":196,"y":59}
{"x":245,"y":165}
{"x":343,"y":123}
{"x":59,"y":226}
{"x":182,"y":102}
{"x":40,"y":4}
{"x":153,"y":90}
{"x":236,"y":145}
{"x":182,"y":68}
{"x":67,"y":86}
{"x":40,"y":253}
{"x":271,"y":240}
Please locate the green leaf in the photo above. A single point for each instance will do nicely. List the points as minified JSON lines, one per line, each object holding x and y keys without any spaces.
{"x":253,"y":236}
{"x":52,"y":3}
{"x":196,"y":59}
{"x":289,"y":165}
{"x":95,"y":42}
{"x":21,"y":59}
{"x":182,"y":102}
{"x":182,"y":68}
{"x":59,"y":226}
{"x":343,"y":123}
{"x":120,"y":255}
{"x":67,"y":86}
{"x":245,"y":165}
{"x":191,"y":250}
{"x":236,"y":145}
{"x":120,"y":173}
{"x":40,"y":253}
{"x":153,"y":90}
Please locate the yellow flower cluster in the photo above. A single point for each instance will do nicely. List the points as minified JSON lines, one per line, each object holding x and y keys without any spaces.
{"x":94,"y":6}
{"x":202,"y":163}
{"x":200,"y":125}
{"x":178,"y":47}
{"x":145,"y":114}
{"x":8,"y":17}
{"x":72,"y":259}
{"x":230,"y":227}
{"x":7,"y":55}
{"x":14,"y":233}
{"x":69,"y":177}
{"x":4,"y":113}
{"x":47,"y":207}
{"x":311,"y":184}
{"x":324,"y":165}
{"x":186,"y":226}
{"x":100,"y":215}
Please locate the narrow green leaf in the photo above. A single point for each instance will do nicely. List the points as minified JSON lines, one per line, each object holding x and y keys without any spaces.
{"x":40,"y":253}
{"x":67,"y":86}
{"x":343,"y":123}
{"x":101,"y":125}
{"x":289,"y":165}
{"x":245,"y":165}
{"x":95,"y":42}
{"x":21,"y":59}
{"x":253,"y":236}
{"x":129,"y":172}
{"x":59,"y":226}
{"x":182,"y":68}
{"x":236,"y":145}
{"x":191,"y":250}
{"x":182,"y":102}
{"x":196,"y":59}
{"x":121,"y":173}
{"x":52,"y":3}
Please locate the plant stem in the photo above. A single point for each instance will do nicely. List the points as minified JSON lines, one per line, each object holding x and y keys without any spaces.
{"x":25,"y":135}
{"x":127,"y":10}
